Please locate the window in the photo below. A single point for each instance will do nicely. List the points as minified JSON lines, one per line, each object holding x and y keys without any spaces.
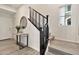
{"x":65,"y":15}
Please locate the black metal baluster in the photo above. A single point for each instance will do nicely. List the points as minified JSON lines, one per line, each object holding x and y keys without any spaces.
{"x":44,"y":34}
{"x":36,"y":19}
{"x":43,"y":23}
{"x":39,"y":21}
{"x":47,"y":18}
{"x":33,"y":16}
{"x":30,"y":12}
{"x":47,"y":27}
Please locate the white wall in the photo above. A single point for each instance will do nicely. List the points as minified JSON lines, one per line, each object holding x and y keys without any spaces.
{"x":34,"y":36}
{"x":8,"y":9}
{"x":6,"y":22}
{"x":66,"y":33}
{"x":53,"y":12}
{"x":6,"y":26}
{"x":76,"y":21}
{"x":34,"y":39}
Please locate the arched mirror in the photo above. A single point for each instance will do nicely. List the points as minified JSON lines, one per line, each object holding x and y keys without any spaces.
{"x":23,"y":22}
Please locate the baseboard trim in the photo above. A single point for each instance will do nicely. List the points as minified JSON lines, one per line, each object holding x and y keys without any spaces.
{"x":60,"y":39}
{"x":7,"y":39}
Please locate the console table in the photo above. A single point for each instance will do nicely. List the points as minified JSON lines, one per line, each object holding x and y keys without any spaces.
{"x":22,"y":40}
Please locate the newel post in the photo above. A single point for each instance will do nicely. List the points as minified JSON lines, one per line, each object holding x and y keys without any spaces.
{"x":47,"y":17}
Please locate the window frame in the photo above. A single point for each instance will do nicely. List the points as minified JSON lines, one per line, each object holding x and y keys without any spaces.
{"x":65,"y":14}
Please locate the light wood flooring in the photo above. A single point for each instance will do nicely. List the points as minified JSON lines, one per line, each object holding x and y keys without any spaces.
{"x":64,"y":46}
{"x":9,"y":47}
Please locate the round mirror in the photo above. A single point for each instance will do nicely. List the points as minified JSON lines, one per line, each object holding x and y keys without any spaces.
{"x":23,"y":22}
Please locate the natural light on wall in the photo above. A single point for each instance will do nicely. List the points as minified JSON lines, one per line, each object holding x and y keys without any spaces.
{"x":65,"y":15}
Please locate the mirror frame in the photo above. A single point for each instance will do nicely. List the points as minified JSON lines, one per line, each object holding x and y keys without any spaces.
{"x":23,"y":17}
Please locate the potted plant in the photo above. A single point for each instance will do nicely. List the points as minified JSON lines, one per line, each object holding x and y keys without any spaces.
{"x":18,"y":28}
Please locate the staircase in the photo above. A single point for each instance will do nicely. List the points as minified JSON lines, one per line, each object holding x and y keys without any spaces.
{"x":41,"y":23}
